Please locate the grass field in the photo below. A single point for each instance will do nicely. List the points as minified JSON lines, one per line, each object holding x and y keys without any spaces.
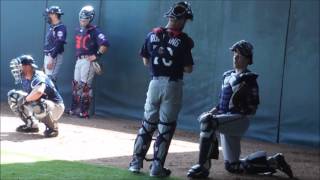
{"x":43,"y":169}
{"x":102,"y":149}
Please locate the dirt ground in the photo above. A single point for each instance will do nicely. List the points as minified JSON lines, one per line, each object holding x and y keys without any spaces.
{"x":109,"y":142}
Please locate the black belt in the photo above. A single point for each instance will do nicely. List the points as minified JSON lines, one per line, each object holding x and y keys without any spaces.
{"x":166,"y":78}
{"x":83,"y":57}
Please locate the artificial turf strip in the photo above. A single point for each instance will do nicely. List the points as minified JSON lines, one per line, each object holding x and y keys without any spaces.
{"x":59,"y":170}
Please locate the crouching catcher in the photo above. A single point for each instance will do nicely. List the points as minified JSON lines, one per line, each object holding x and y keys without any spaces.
{"x":38,"y":99}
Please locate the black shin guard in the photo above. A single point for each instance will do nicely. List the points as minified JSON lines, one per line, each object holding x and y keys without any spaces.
{"x":208,"y":140}
{"x":209,"y":149}
{"x":144,"y":138}
{"x":161,"y":146}
{"x":256,"y":163}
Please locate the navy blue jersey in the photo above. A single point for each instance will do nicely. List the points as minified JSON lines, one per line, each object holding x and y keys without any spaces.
{"x":38,"y":78}
{"x":89,"y":40}
{"x":55,"y":39}
{"x":168,"y":51}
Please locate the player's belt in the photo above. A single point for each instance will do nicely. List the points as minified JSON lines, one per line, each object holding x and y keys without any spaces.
{"x":83,"y":57}
{"x":165,"y":78}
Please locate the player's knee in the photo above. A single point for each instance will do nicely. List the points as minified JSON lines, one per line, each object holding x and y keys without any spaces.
{"x":207,"y":117}
{"x":208,"y":123}
{"x":147,"y":127}
{"x":39,"y":109}
{"x":166,"y":130}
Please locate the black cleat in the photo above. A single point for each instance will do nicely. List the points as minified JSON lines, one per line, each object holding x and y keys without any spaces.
{"x":283,"y":165}
{"x":70,"y":112}
{"x":84,"y":115}
{"x":51,"y":132}
{"x":26,"y":129}
{"x":197,"y":171}
{"x":157,"y":170}
{"x":136,"y":164}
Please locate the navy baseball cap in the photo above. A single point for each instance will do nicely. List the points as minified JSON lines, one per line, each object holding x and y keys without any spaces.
{"x":245,"y":48}
{"x":27,"y":60}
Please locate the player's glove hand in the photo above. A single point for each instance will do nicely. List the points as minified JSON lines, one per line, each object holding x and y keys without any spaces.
{"x":16,"y":98}
{"x":97,"y":67}
{"x":21,"y":101}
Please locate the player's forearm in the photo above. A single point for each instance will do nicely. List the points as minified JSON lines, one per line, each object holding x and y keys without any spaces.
{"x":188,"y":69}
{"x":145,"y":61}
{"x":213,"y":110}
{"x":58,"y":49}
{"x":33,"y":96}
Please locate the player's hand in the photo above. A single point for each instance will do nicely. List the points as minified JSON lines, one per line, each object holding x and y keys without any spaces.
{"x":213,"y":110}
{"x":50,"y":63}
{"x":92,"y":58}
{"x":21,"y":101}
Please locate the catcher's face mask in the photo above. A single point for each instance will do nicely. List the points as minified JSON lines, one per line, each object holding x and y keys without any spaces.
{"x":180,"y":10}
{"x":16,"y":70}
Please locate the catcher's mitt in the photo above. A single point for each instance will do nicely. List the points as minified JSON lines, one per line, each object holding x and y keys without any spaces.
{"x":97,"y":67}
{"x":16,"y":98}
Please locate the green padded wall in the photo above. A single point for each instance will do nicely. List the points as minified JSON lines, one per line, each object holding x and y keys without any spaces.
{"x":285,"y":35}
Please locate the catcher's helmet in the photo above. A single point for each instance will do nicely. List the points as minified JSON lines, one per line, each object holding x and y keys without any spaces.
{"x":87,"y":12}
{"x":16,"y":66}
{"x":27,"y":60}
{"x":53,"y":10}
{"x":180,"y":10}
{"x":245,"y":48}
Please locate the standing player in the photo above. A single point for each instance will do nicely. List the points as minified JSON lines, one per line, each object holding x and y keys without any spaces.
{"x":239,"y":99}
{"x":167,"y":53}
{"x":54,"y":42}
{"x":91,"y":44}
{"x":38,"y":99}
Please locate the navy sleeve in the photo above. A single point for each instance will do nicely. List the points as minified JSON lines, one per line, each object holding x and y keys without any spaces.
{"x":144,"y":50}
{"x":101,"y":38}
{"x":188,"y":59}
{"x":61,"y":34}
{"x":37,"y":80}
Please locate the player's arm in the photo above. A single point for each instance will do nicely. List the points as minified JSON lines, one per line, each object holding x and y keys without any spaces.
{"x":144,"y":52}
{"x":188,"y":69}
{"x":36,"y":93}
{"x":60,"y":41}
{"x":145,"y":61}
{"x":103,"y":43}
{"x":188,"y":59}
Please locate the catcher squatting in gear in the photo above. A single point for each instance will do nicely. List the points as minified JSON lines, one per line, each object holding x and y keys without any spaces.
{"x":89,"y":41}
{"x":238,"y":100}
{"x":47,"y":109}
